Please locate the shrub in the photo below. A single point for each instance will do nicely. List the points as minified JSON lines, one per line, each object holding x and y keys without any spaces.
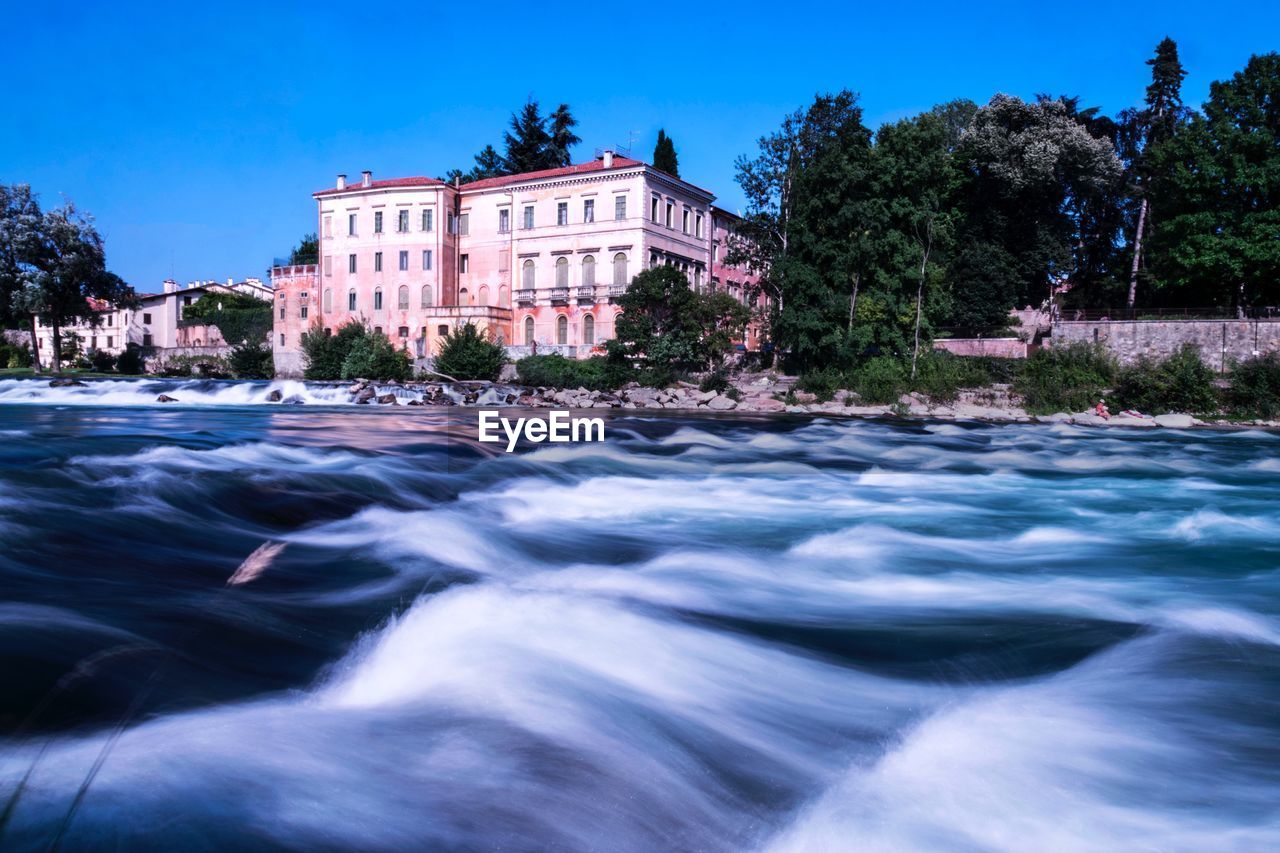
{"x":880,"y":380}
{"x":1254,"y":390}
{"x":325,"y":353}
{"x":202,"y":366}
{"x":1179,"y":383}
{"x":716,"y":381}
{"x":1069,"y":378}
{"x":823,"y":383}
{"x":102,"y":361}
{"x":555,"y":371}
{"x":468,"y":353}
{"x":252,"y":361}
{"x":375,"y":357}
{"x":941,"y":375}
{"x":130,"y":361}
{"x":14,"y":355}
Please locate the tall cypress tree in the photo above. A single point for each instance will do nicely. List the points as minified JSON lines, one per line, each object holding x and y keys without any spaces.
{"x":664,"y":155}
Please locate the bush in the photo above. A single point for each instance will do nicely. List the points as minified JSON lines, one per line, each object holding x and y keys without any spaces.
{"x":555,"y":371}
{"x":252,"y":361}
{"x":822,"y":384}
{"x":103,"y":361}
{"x":1254,"y":390}
{"x":375,"y":357}
{"x":716,"y":381}
{"x":940,"y":375}
{"x":467,"y":353}
{"x":325,"y":353}
{"x":14,"y":355}
{"x":130,"y":361}
{"x":1179,"y":383}
{"x":879,"y":381}
{"x":201,"y":366}
{"x":1070,"y":378}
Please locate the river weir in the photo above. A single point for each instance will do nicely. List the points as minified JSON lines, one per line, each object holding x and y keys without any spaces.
{"x":713,"y":632}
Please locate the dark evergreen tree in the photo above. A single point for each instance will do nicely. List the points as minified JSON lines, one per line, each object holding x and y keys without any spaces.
{"x":664,"y":155}
{"x":307,"y":251}
{"x":558,"y":153}
{"x":527,"y":141}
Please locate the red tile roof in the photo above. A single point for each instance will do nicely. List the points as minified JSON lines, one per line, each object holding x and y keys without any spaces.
{"x":580,"y":168}
{"x":390,"y":183}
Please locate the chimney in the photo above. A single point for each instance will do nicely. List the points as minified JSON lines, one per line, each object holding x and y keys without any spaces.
{"x":366,"y":178}
{"x":230,"y":281}
{"x":608,"y":158}
{"x":342,"y":182}
{"x":170,"y":285}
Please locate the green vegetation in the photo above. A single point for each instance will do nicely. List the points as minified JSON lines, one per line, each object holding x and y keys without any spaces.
{"x":664,"y":154}
{"x":597,"y":373}
{"x":533,"y":143}
{"x":130,"y":362}
{"x":324,"y":353}
{"x":373,"y":356}
{"x":1179,"y":383}
{"x":468,"y":353}
{"x":239,"y":317}
{"x":1065,"y":379}
{"x":14,"y":355}
{"x":103,"y":361}
{"x":251,"y":361}
{"x":306,"y":252}
{"x":200,"y":366}
{"x":1254,"y":389}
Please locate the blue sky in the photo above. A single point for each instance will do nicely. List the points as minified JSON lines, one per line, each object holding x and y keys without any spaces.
{"x":195,"y":133}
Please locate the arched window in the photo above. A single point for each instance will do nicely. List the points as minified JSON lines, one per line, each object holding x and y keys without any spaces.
{"x":528,"y":330}
{"x":426,"y":296}
{"x":589,"y":329}
{"x":484,"y":294}
{"x":504,"y":296}
{"x":562,"y":329}
{"x":529,"y":278}
{"x":588,"y":271}
{"x":620,"y":270}
{"x":377,"y":299}
{"x":562,"y":272}
{"x":377,"y":330}
{"x":351,"y":299}
{"x":403,"y":301}
{"x":464,"y":297}
{"x":328,"y":300}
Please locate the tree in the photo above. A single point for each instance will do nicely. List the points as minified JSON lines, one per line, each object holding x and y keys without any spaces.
{"x":664,"y":155}
{"x":468,"y":353}
{"x":1219,"y":242}
{"x":563,"y":138}
{"x":527,"y":141}
{"x":306,"y":252}
{"x":373,"y":356}
{"x":20,"y":248}
{"x":325,"y":353}
{"x":239,"y":317}
{"x":532,"y":143}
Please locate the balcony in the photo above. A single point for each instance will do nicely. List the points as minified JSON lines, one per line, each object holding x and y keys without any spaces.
{"x":616,"y":290}
{"x":586,"y":294}
{"x":559,"y":295}
{"x":526,"y":297}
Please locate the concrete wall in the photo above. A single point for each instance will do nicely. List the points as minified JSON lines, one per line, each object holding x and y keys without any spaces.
{"x":997,"y":347}
{"x":1220,"y":341}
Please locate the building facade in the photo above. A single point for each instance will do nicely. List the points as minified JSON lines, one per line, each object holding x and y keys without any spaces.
{"x":536,"y":259}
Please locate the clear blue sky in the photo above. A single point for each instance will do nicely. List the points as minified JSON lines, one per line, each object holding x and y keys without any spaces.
{"x":195,"y":133}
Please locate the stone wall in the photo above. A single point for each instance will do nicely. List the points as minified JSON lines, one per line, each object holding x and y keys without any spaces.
{"x":997,"y":347}
{"x":1220,"y":341}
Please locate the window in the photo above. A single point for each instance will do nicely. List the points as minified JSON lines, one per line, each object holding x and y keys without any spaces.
{"x":464,"y":296}
{"x":328,"y":227}
{"x":653,"y":209}
{"x":281,"y":312}
{"x":697,"y":280}
{"x":562,"y":272}
{"x":620,"y":270}
{"x":404,"y":331}
{"x":377,"y":222}
{"x":351,"y":300}
{"x":464,"y":224}
{"x":303,"y":312}
{"x":328,"y":300}
{"x":562,"y":213}
{"x":110,"y":321}
{"x":697,"y":226}
{"x":452,"y":223}
{"x":589,"y":329}
{"x":428,"y":220}
{"x":588,"y":271}
{"x":562,"y":330}
{"x":442,"y":331}
{"x":402,"y":301}
{"x":146,"y":318}
{"x":93,"y":341}
{"x":146,"y":340}
{"x":484,"y":295}
{"x":684,"y":221}
{"x":671,"y":214}
{"x":328,"y":265}
{"x":620,"y":207}
{"x":351,"y":225}
{"x":402,"y":221}
{"x":377,"y":330}
{"x":464,"y":263}
{"x":110,"y":342}
{"x":528,"y":216}
{"x":589,"y":210}
{"x":404,"y":260}
{"x":282,"y":339}
{"x":377,"y":262}
{"x":504,"y":296}
{"x":528,"y":275}
{"x":351,"y":263}
{"x":426,"y":259}
{"x":426,"y":296}
{"x":377,"y":299}
{"x":504,"y":221}
{"x":528,"y":330}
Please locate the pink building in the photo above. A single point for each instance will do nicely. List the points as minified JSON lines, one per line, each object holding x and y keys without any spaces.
{"x":537,"y":257}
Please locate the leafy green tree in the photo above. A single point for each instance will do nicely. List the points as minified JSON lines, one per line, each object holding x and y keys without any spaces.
{"x":130,"y":362}
{"x":20,"y":249}
{"x":252,"y":361}
{"x":239,"y":317}
{"x":306,"y":252}
{"x":1219,"y":196}
{"x":373,"y":356}
{"x":468,"y":353}
{"x":664,"y":155}
{"x":325,"y":353}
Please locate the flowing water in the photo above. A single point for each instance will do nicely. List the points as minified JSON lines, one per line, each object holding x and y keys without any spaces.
{"x":706,"y":633}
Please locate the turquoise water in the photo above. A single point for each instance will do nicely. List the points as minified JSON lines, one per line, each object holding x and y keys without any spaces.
{"x":704,"y":633}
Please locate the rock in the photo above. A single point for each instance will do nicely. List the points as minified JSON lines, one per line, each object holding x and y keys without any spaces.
{"x":805,"y":397}
{"x":1055,"y":418}
{"x":415,"y":403}
{"x":389,"y":400}
{"x":706,"y":396}
{"x":527,"y":400}
{"x":65,"y":382}
{"x":165,"y":398}
{"x":721,"y":403}
{"x":628,"y":405}
{"x":365,"y":395}
{"x":1175,"y":421}
{"x":765,"y":404}
{"x":275,"y":396}
{"x":796,"y":410}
